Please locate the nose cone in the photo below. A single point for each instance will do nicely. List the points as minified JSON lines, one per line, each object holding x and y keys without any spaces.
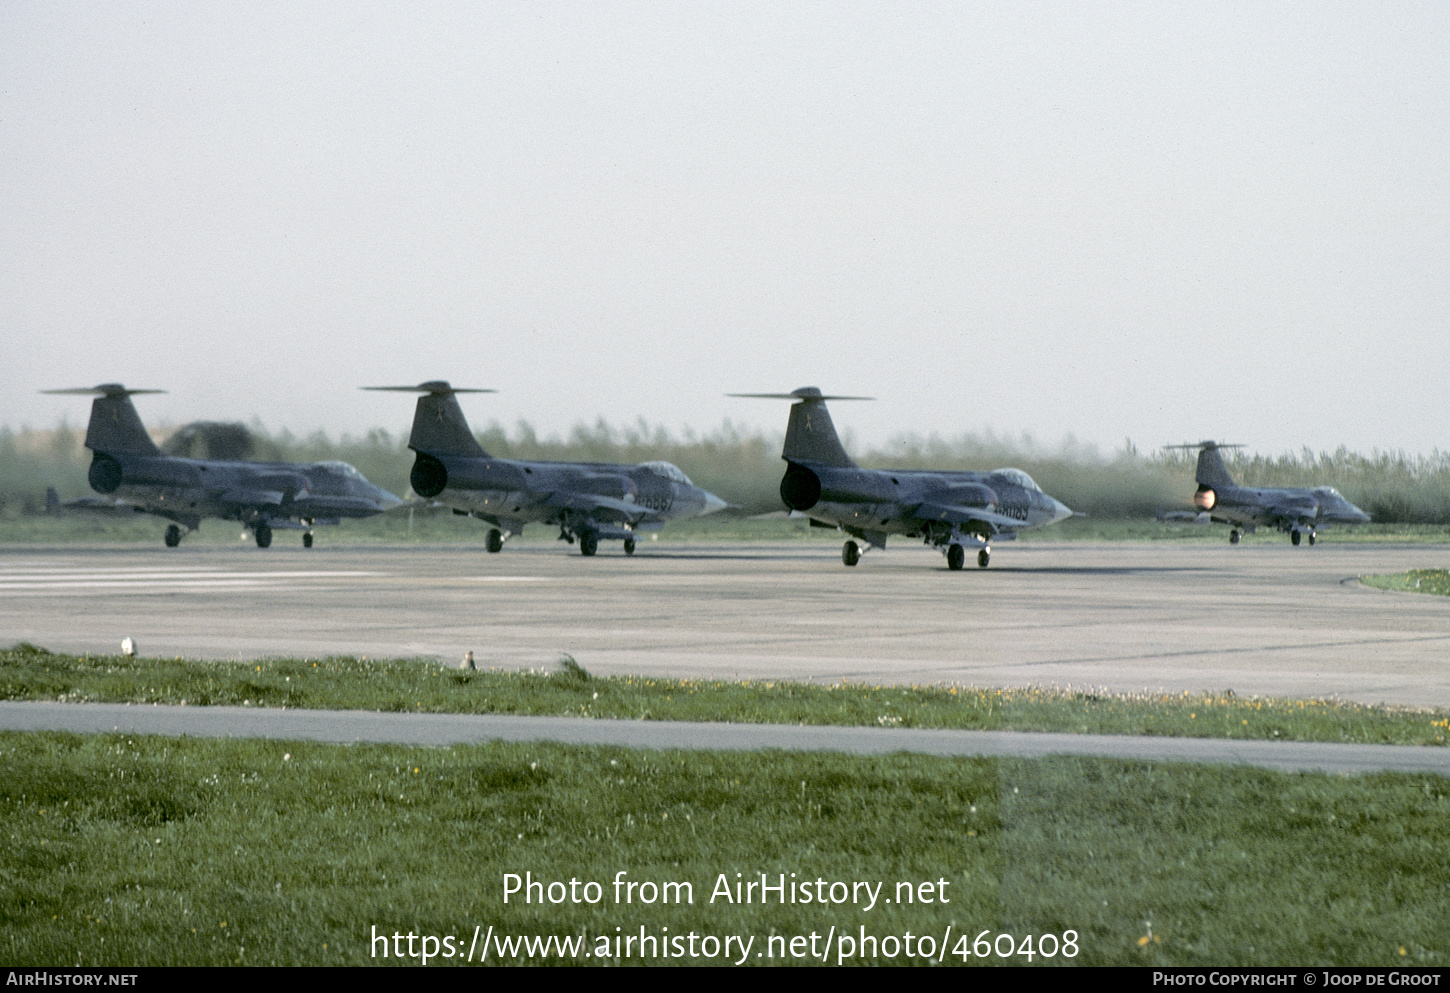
{"x":712,"y":503}
{"x":385,"y":499}
{"x":1360,"y":517}
{"x":1060,"y":510}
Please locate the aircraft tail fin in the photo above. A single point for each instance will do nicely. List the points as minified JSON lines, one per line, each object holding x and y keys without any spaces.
{"x":1211,"y":472}
{"x":115,"y":426}
{"x":439,"y":427}
{"x":810,"y":436}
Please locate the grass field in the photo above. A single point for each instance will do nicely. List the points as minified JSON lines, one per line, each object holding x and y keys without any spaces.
{"x":1436,"y":581}
{"x":29,"y":673}
{"x":130,"y":850}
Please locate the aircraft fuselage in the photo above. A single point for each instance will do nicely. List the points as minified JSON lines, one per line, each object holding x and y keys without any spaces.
{"x":872,"y":503}
{"x":1285,"y":508}
{"x":587,"y":500}
{"x":610,"y":499}
{"x":188,"y":490}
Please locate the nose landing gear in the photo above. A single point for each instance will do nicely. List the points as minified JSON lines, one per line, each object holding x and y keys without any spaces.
{"x":850,"y":553}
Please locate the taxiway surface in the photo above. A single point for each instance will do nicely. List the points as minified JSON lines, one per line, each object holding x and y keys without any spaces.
{"x":351,"y":726}
{"x":1266,"y":619}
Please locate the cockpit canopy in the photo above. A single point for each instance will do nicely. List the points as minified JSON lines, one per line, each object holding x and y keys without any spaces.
{"x":341,"y":468}
{"x":1330,"y":498}
{"x":668,"y":470}
{"x":1018,"y":478}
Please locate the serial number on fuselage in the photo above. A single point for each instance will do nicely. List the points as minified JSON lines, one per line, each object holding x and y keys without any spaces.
{"x":1016,"y":511}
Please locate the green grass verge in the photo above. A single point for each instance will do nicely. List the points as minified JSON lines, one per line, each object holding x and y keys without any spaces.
{"x":1435,"y":581}
{"x":29,"y":673}
{"x":124,"y":850}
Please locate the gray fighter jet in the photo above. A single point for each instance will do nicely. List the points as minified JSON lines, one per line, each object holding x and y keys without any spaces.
{"x":587,"y":501}
{"x":127,"y":465}
{"x":1296,"y":510}
{"x":953,"y":511}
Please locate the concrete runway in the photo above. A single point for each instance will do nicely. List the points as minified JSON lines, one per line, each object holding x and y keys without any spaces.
{"x":1266,"y":619}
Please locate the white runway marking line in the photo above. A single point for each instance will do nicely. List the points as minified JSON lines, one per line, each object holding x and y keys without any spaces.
{"x":33,"y":580}
{"x":506,"y":579}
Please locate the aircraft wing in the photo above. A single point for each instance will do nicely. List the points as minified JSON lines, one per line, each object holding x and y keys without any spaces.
{"x":1183,"y":516}
{"x":96,"y":505}
{"x":590,"y":502}
{"x":251,"y":497}
{"x":334,"y":504}
{"x":1292,"y":515}
{"x":964,"y":515}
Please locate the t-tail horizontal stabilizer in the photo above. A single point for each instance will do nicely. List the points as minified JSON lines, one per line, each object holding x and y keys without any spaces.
{"x":1211,"y":470}
{"x":439,"y":427}
{"x":810,"y":436}
{"x":115,"y":426}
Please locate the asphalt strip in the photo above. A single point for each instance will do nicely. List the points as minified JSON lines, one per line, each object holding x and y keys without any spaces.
{"x":452,"y":729}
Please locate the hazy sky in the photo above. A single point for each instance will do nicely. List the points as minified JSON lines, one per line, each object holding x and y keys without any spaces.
{"x":1162,"y":221}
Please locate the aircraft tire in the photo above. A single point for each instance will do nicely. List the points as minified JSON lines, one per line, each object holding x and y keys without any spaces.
{"x":306,"y":539}
{"x":588,"y":543}
{"x":628,"y":546}
{"x":494,"y":542}
{"x":983,"y":557}
{"x":956,"y":557}
{"x":850,"y":553}
{"x":173,"y":536}
{"x":263,"y":533}
{"x":1294,"y":537}
{"x":1311,"y":537}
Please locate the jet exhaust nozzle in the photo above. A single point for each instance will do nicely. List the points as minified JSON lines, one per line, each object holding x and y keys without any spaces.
{"x":429,"y":476}
{"x":800,"y":488}
{"x":1205,"y":498}
{"x":105,"y":474}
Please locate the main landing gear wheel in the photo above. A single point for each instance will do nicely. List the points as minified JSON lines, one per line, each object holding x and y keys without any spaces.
{"x":956,"y":557}
{"x":588,"y":544}
{"x":628,"y":546}
{"x":850,"y":553}
{"x":263,"y":534}
{"x":1233,"y":537}
{"x":983,"y":557}
{"x":495,"y":541}
{"x":1311,"y":537}
{"x":306,"y":539}
{"x":173,"y":536}
{"x":1294,"y":537}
